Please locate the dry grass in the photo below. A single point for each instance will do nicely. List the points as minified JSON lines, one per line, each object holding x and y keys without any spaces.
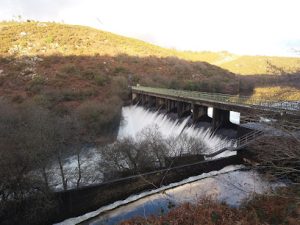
{"x":263,"y":209}
{"x":62,"y":66}
{"x":53,"y":38}
{"x":277,"y":92}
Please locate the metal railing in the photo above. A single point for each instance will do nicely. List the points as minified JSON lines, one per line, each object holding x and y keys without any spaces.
{"x":268,"y":120}
{"x":248,"y":138}
{"x":224,"y":98}
{"x":236,"y":144}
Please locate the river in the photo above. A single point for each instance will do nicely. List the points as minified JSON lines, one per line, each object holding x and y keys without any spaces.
{"x":135,"y":119}
{"x":232,"y":184}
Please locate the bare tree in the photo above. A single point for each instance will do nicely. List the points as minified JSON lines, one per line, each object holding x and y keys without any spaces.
{"x":151,"y":140}
{"x":278,"y":153}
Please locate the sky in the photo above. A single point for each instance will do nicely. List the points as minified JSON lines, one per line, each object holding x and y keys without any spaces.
{"x":254,"y":27}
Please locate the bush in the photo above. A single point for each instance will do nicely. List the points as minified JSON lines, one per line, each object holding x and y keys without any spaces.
{"x":119,"y":70}
{"x":17,"y":99}
{"x":119,"y":87}
{"x":101,"y":117}
{"x":101,"y":80}
{"x":36,"y":84}
{"x":70,"y":69}
{"x":88,"y":74}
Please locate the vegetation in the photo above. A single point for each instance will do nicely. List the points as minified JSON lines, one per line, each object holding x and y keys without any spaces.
{"x":148,"y":152}
{"x":37,"y":38}
{"x":62,"y":66}
{"x":62,"y":86}
{"x":282,"y":208}
{"x":277,"y":92}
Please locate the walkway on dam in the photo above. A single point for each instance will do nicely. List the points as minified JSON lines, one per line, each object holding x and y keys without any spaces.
{"x":235,"y":102}
{"x":253,"y":111}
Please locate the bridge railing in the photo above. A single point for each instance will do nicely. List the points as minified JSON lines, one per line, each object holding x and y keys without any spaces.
{"x":236,"y":144}
{"x":224,"y":98}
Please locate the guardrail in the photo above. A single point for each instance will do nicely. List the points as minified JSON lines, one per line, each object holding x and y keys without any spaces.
{"x":224,"y":98}
{"x":292,"y":125}
{"x":236,"y":144}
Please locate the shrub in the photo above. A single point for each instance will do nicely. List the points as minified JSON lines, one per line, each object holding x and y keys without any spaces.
{"x":120,"y":69}
{"x":17,"y":99}
{"x":71,"y":95}
{"x":101,"y":80}
{"x":101,"y":117}
{"x":36,"y":84}
{"x":2,"y":80}
{"x":88,"y":74}
{"x":119,"y":87}
{"x":70,"y":69}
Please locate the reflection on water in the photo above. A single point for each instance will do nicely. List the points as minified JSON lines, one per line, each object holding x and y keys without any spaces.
{"x":223,"y":187}
{"x":230,"y":187}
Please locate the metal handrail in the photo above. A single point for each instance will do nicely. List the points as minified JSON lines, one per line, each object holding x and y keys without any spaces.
{"x":217,"y":97}
{"x":238,"y":143}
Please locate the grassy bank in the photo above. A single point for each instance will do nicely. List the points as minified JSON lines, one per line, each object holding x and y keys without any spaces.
{"x":281,"y":207}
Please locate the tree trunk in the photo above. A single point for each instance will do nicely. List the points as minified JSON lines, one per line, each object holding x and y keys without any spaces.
{"x":64,"y":181}
{"x":79,"y":169}
{"x":44,"y":174}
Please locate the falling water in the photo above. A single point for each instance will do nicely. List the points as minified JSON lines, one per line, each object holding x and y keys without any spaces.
{"x":136,"y":118}
{"x":217,"y":183}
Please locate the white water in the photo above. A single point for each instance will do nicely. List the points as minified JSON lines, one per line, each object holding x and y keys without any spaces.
{"x":228,"y":185}
{"x":135,"y":119}
{"x":232,"y":187}
{"x":133,"y":198}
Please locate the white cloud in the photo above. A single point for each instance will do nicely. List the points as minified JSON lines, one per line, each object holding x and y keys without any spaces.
{"x":241,"y":26}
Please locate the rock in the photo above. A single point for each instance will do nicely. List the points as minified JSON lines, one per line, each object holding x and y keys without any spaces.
{"x":23,"y":33}
{"x":42,"y":25}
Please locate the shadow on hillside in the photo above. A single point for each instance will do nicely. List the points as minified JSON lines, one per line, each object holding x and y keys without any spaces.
{"x":34,"y":75}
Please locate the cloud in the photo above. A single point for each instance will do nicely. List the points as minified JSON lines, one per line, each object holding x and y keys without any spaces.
{"x":34,"y":9}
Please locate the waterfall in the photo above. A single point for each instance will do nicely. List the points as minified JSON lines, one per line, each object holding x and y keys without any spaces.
{"x":136,"y":118}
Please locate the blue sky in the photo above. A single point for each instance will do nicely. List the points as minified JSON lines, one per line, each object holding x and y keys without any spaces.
{"x":263,"y":27}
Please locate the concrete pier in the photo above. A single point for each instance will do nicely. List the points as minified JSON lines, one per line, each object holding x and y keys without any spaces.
{"x":220,"y":118}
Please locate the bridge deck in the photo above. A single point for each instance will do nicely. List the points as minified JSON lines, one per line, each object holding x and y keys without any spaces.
{"x":291,"y":107}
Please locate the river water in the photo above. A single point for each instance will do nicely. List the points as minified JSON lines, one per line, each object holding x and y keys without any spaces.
{"x":135,"y":119}
{"x":232,"y":184}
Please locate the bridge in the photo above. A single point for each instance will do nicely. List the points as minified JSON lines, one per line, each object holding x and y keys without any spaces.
{"x":196,"y":103}
{"x":185,"y":102}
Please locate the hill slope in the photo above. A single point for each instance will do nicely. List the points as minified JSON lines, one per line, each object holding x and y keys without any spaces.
{"x":251,"y":65}
{"x":74,"y":69}
{"x":69,"y":68}
{"x":39,"y":58}
{"x":55,"y":52}
{"x":49,"y":38}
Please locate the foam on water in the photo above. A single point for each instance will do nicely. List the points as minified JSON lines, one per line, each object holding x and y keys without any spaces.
{"x":133,"y":198}
{"x":137,"y":118}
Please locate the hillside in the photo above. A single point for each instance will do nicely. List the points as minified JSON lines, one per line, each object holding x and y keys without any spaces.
{"x":83,"y":71}
{"x":52,"y":38}
{"x":62,"y":66}
{"x":53,"y":53}
{"x":249,"y":65}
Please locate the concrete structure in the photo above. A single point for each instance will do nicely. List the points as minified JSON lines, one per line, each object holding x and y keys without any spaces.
{"x":197,"y":103}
